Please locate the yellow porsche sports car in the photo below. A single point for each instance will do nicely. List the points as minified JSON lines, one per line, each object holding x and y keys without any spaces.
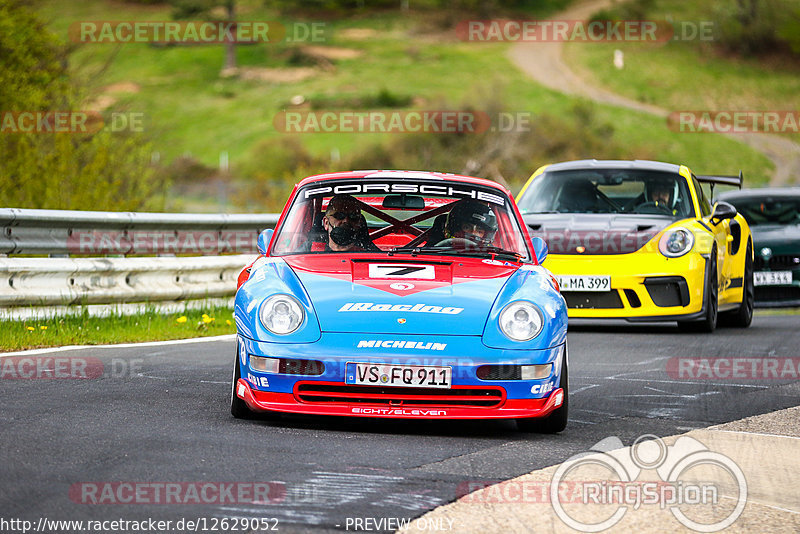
{"x":641,"y":241}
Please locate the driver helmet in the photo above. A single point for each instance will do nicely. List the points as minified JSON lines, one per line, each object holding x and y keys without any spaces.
{"x":472,"y":220}
{"x":661,"y":192}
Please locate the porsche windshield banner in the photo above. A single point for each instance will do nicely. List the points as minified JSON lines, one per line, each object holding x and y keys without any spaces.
{"x":464,"y":191}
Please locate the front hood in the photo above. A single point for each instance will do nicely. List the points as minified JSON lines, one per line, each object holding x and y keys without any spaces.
{"x":401,"y":294}
{"x":595,"y":233}
{"x":781,"y":239}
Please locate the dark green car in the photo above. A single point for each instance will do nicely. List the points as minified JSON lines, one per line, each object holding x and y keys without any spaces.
{"x":774,"y":218}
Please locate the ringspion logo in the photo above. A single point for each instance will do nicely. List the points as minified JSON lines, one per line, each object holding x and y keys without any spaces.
{"x":691,"y":477}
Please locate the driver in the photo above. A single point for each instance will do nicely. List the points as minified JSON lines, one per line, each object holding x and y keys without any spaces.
{"x":345,"y":226}
{"x":660,"y":192}
{"x":473,"y":221}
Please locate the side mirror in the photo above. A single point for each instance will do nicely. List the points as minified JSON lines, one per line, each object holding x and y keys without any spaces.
{"x":263,"y":240}
{"x":539,"y":248}
{"x":722,"y":210}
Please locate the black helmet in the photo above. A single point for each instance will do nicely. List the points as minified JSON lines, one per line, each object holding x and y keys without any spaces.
{"x":661,"y":184}
{"x":467,"y":214}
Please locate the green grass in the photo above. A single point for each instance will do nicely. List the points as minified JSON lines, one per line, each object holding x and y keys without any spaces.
{"x":189,"y":109}
{"x":774,"y":311}
{"x":688,"y":75}
{"x":85,"y":330}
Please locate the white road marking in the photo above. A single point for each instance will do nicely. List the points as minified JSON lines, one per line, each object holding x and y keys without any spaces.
{"x":121,"y":345}
{"x":683,"y":382}
{"x":753,"y":433}
{"x":581,"y":421}
{"x":753,"y":501}
{"x":584,"y":388}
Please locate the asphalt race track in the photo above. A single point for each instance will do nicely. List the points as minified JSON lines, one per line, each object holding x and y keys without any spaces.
{"x":159,"y":414}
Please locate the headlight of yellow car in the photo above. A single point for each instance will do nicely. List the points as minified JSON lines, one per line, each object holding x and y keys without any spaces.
{"x":676,"y":242}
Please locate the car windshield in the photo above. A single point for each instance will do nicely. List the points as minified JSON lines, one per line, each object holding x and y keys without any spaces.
{"x":769,"y":210}
{"x":401,"y":216}
{"x":608,"y":191}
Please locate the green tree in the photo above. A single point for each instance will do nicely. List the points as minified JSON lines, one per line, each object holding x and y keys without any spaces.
{"x":187,"y":9}
{"x":99,"y":170}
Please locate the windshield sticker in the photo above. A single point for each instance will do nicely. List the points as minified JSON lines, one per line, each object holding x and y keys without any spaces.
{"x":422,"y":189}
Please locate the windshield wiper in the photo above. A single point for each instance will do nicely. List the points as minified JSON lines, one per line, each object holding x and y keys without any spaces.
{"x":488,"y":252}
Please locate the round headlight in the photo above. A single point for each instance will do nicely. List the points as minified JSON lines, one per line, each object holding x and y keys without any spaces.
{"x":281,"y":314}
{"x":521,"y":321}
{"x":676,"y":242}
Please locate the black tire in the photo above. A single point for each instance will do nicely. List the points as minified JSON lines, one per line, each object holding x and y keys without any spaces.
{"x":238,"y":407}
{"x":557,"y":420}
{"x":708,"y":323}
{"x":743,"y":316}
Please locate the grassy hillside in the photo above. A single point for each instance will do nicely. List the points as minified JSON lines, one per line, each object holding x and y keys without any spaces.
{"x":190,"y":109}
{"x":692,"y":74}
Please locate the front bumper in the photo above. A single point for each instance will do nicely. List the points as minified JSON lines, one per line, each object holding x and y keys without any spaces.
{"x":265,"y":401}
{"x":779,"y":296}
{"x":644,"y":286}
{"x":326,"y":392}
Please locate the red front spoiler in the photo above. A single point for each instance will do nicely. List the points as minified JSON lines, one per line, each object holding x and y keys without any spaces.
{"x":266,"y":401}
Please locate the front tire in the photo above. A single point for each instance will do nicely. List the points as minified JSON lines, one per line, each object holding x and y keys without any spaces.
{"x":743,"y":316}
{"x":708,"y":323}
{"x":238,"y":407}
{"x":557,"y":420}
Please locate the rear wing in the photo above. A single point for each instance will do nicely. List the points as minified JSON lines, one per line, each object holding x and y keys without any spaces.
{"x":713,"y":179}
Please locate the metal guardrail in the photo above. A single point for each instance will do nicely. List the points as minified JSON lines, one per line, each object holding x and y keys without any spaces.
{"x":66,"y":281}
{"x":54,"y":232}
{"x":31,"y":286}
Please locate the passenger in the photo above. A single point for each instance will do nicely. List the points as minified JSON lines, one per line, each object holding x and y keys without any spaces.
{"x":473,"y":221}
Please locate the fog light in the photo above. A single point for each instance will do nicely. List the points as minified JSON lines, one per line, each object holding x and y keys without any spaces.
{"x":265,"y":365}
{"x":559,"y":399}
{"x":536,"y":372}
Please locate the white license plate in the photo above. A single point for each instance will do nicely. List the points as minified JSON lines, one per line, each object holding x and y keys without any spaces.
{"x":584,"y":283}
{"x":418,"y":376}
{"x":772,"y":278}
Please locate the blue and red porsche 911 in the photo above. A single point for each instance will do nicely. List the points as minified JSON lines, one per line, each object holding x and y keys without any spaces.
{"x":401,"y":295}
